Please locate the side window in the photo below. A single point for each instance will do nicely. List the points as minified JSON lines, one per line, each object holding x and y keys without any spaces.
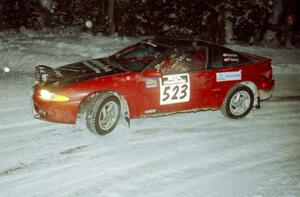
{"x":231,"y":58}
{"x":183,"y":61}
{"x":215,"y":60}
{"x":138,"y":57}
{"x":197,"y":59}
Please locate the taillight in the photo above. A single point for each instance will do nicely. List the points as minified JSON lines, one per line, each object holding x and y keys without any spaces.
{"x":269,"y":74}
{"x":265,"y":80}
{"x":264,"y":85}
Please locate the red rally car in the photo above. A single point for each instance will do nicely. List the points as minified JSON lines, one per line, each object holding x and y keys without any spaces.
{"x":152,"y":77}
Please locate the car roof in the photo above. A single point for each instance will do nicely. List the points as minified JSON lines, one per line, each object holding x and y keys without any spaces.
{"x":171,"y":42}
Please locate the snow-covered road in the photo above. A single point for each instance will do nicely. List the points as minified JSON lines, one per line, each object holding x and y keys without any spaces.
{"x":191,"y":154}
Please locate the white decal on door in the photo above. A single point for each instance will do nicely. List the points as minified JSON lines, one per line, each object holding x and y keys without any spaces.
{"x":174,"y":89}
{"x":229,"y":76}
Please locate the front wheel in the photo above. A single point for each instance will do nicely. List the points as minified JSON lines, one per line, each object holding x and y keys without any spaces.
{"x":238,"y":102}
{"x":103,"y":114}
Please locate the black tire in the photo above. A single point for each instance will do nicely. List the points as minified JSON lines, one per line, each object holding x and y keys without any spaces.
{"x":238,"y":102}
{"x":96,"y":112}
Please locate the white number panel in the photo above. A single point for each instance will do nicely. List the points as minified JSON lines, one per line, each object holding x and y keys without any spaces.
{"x":174,"y":89}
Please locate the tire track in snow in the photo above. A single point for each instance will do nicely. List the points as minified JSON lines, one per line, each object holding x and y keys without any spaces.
{"x":285,"y":98}
{"x":130,"y":170}
{"x":22,"y":124}
{"x":13,"y":109}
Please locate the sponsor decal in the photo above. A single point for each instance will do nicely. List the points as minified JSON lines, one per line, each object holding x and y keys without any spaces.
{"x":150,"y":111}
{"x":102,"y":66}
{"x":151,"y":83}
{"x":230,"y":57}
{"x":174,"y":89}
{"x":94,"y":68}
{"x":229,"y":76}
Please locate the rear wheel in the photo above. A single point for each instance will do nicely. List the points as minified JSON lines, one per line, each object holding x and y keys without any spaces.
{"x":238,"y":102}
{"x":103,"y":114}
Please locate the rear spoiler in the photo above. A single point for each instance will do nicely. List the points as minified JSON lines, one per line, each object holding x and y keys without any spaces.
{"x":256,"y":58}
{"x":46,"y":74}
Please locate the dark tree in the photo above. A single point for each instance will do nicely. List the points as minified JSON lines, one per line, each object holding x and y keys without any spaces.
{"x":110,"y":17}
{"x":251,"y":19}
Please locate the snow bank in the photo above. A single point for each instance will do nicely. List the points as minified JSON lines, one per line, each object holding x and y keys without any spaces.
{"x":22,"y":52}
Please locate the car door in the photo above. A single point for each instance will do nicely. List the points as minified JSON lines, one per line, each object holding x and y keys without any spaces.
{"x":177,"y":83}
{"x":201,"y":78}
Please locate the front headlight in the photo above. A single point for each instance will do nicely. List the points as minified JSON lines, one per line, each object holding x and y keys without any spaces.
{"x":49,"y":96}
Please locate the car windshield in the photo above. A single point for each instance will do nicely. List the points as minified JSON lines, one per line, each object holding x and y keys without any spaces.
{"x":137,"y":57}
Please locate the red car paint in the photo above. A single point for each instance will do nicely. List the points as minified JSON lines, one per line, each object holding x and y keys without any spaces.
{"x":151,"y":91}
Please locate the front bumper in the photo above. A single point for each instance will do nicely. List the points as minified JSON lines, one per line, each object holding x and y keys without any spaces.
{"x":62,"y":112}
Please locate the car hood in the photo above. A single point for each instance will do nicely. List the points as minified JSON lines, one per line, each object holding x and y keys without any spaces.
{"x":85,"y":70}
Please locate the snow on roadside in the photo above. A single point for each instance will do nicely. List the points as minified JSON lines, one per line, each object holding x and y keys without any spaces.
{"x":22,"y":52}
{"x":56,"y":49}
{"x":284,"y":60}
{"x":191,"y":154}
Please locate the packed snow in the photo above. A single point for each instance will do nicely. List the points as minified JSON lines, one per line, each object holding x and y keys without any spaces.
{"x":187,"y":154}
